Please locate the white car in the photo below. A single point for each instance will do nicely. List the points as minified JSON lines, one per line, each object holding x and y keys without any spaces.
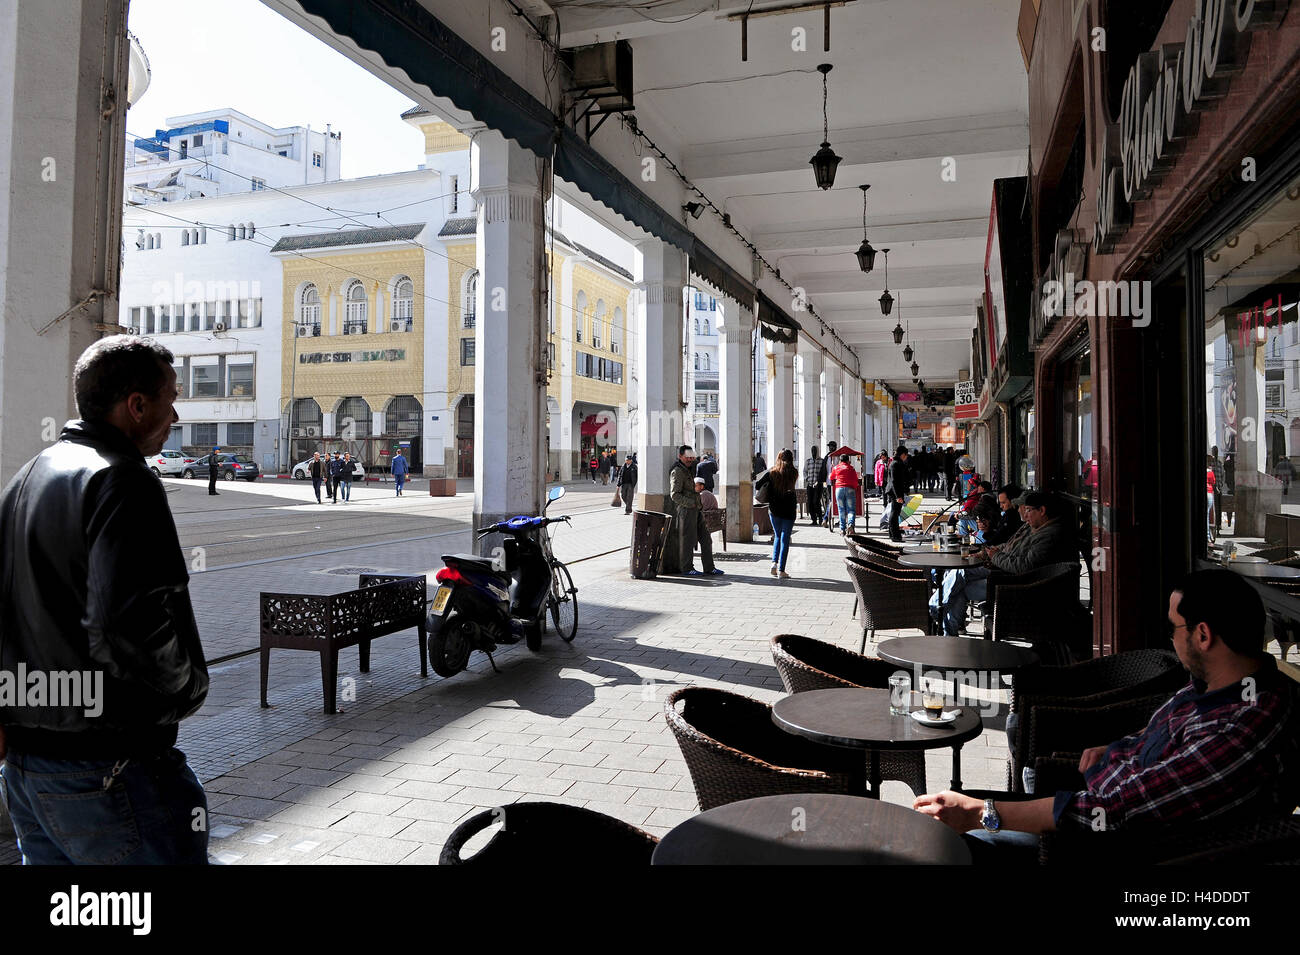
{"x":168,"y":462}
{"x":302,"y":470}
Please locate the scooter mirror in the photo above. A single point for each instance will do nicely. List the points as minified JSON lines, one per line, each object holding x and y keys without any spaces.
{"x":555,"y":493}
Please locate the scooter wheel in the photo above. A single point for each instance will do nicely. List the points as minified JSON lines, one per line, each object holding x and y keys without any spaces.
{"x":451,"y":644}
{"x":533,"y":634}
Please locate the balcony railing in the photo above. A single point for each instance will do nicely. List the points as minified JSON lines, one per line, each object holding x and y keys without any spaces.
{"x":354,"y":326}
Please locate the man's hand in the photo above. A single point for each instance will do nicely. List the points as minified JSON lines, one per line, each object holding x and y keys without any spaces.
{"x":1091,"y":757}
{"x":899,"y":500}
{"x":957,"y":811}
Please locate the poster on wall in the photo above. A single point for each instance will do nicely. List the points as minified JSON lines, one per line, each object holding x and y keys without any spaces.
{"x":909,"y":419}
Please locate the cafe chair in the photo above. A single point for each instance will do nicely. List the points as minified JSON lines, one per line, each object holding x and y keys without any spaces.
{"x":715,"y":519}
{"x":734,"y":751}
{"x":807,"y":664}
{"x":889,"y":598}
{"x":534,"y":833}
{"x":883,"y":547}
{"x":1040,"y":608}
{"x":1264,"y":841}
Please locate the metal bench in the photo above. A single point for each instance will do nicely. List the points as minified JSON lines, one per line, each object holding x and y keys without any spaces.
{"x":326,"y":623}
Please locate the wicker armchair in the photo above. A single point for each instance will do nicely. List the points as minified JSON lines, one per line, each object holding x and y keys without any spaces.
{"x":715,"y":519}
{"x":734,"y":751}
{"x":1256,"y":842}
{"x":808,"y":664}
{"x":1276,"y":555}
{"x":878,"y":546}
{"x":537,"y":833}
{"x":1040,"y":608}
{"x":889,"y":599}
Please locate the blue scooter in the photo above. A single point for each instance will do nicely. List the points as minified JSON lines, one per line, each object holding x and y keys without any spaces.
{"x":484,"y":602}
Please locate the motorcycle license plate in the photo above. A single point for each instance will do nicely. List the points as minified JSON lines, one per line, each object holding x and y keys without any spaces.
{"x":440,"y":598}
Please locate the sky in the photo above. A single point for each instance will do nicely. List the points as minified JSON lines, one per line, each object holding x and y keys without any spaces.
{"x":240,"y":54}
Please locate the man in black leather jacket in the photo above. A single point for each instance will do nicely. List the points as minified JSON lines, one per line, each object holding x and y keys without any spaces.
{"x":100,"y":657}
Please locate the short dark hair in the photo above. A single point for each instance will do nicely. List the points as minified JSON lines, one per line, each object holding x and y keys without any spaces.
{"x":986,"y":485}
{"x":1044,"y":499}
{"x":115,"y":367}
{"x":683,"y":449}
{"x":844,"y":459}
{"x":814,"y":451}
{"x":1012,"y":491}
{"x":1228,"y":605}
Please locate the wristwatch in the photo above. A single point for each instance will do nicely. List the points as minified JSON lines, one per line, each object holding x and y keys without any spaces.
{"x":989,"y":818}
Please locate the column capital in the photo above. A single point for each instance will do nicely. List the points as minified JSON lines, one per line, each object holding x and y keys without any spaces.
{"x":513,"y":202}
{"x":661,"y":293}
{"x":812,"y":363}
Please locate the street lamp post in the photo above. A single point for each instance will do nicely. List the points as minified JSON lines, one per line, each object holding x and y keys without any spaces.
{"x":293,"y":376}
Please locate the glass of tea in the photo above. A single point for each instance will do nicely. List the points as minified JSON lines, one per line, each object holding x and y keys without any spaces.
{"x":932,"y":699}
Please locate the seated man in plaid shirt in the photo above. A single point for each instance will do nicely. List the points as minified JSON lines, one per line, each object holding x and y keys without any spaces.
{"x":1223,"y":750}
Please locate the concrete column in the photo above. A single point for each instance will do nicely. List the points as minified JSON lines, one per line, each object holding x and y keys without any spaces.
{"x":562,"y":423}
{"x":831,"y":404}
{"x":509,"y":374}
{"x":659,"y":398}
{"x":810,"y":387}
{"x":63,"y":72}
{"x":334,"y":309}
{"x":780,"y":401}
{"x":853,"y":412}
{"x":379,"y":321}
{"x":735,"y":399}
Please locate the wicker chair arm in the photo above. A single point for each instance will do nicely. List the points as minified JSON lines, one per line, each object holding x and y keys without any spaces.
{"x":465,"y":831}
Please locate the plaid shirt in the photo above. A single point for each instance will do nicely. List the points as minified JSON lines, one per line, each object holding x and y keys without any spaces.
{"x":1203,"y":755}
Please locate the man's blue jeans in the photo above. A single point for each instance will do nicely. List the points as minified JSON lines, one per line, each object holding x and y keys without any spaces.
{"x":846,"y":501}
{"x":152,"y":811}
{"x":781,"y":530}
{"x":346,"y":488}
{"x":959,"y":588}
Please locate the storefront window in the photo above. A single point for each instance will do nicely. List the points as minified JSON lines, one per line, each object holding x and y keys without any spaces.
{"x":1252,"y":407}
{"x":1079,"y":463}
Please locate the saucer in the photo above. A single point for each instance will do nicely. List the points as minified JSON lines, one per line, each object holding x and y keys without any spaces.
{"x":948,"y":716}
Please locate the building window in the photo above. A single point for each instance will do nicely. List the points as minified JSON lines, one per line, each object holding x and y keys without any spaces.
{"x":239,"y":377}
{"x":135,"y":320}
{"x":471,"y":301}
{"x":403,"y":417}
{"x":707,"y":362}
{"x":701,"y":404}
{"x":598,"y":323}
{"x":616,"y":332}
{"x":550,"y":356}
{"x":403,"y":305}
{"x":455,"y":193}
{"x":209,"y":316}
{"x":179,"y":367}
{"x":315,"y":160}
{"x":357,"y":314}
{"x":205,"y":375}
{"x":230,"y":233}
{"x":306,"y":421}
{"x":466,"y":351}
{"x":164,"y":319}
{"x":250,"y":313}
{"x":697,"y":361}
{"x":203,"y":435}
{"x":706,"y":327}
{"x":309,"y":311}
{"x":713,"y":402}
{"x":353,"y":418}
{"x":240,"y":434}
{"x":579,"y":316}
{"x":259,"y":184}
{"x":196,"y":317}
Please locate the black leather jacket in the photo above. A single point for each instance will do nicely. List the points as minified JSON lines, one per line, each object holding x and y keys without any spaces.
{"x":92,"y":578}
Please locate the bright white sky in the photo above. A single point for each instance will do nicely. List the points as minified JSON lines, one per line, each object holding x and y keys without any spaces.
{"x":239,"y":54}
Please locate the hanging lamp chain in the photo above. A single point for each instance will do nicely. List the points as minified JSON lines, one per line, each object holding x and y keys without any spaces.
{"x":826,"y":136}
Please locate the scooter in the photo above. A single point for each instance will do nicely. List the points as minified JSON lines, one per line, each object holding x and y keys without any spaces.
{"x":484,"y":602}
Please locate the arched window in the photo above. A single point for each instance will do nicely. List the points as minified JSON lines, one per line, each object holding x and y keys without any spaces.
{"x":241,"y":232}
{"x":185,"y":237}
{"x":580,"y":316}
{"x":203,"y":235}
{"x":356,"y":309}
{"x":230,"y":233}
{"x":598,"y":325}
{"x":252,"y":230}
{"x":697,"y":361}
{"x":706,"y":327}
{"x":149,"y":241}
{"x":469,"y":311}
{"x":706,"y":361}
{"x":306,"y":421}
{"x":403,"y":305}
{"x":352,"y":420}
{"x":403,"y":417}
{"x":616,"y":331}
{"x":309,"y":311}
{"x":697,"y":326}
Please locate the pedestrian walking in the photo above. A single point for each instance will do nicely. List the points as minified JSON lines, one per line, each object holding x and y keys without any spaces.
{"x":593,"y":468}
{"x":812,"y":485}
{"x":95,"y":599}
{"x":880,"y":473}
{"x":707,"y":469}
{"x":900,"y":486}
{"x":627,"y":483}
{"x":681,"y":491}
{"x":214,"y":468}
{"x":949,"y":472}
{"x":400,"y":470}
{"x":781,"y":506}
{"x":345,"y":476}
{"x":335,"y":468}
{"x":318,"y":469}
{"x":759,"y":466}
{"x":605,"y":463}
{"x":845,"y":481}
{"x":827,"y":463}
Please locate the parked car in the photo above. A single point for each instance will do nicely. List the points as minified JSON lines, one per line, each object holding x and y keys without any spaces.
{"x":302,"y":470}
{"x":168,"y":462}
{"x":229,"y":467}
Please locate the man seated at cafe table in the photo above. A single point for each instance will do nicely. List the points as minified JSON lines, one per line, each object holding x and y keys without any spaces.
{"x":1224,"y":750}
{"x":1009,"y":517}
{"x":1048,"y":540}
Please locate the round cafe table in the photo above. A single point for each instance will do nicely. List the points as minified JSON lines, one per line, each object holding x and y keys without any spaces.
{"x":859,"y":718}
{"x":1264,"y":571}
{"x":811,"y":829}
{"x":956,"y":653}
{"x":936,"y":558}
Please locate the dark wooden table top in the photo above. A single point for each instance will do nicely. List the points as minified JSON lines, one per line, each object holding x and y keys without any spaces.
{"x":935,"y":558}
{"x":956,"y":653}
{"x":1266,"y":571}
{"x":811,"y":829}
{"x":861,"y":718}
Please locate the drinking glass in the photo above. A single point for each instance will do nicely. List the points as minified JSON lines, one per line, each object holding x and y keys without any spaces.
{"x":900,"y":694}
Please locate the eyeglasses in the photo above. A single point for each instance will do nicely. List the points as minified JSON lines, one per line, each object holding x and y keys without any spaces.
{"x":1171,"y":628}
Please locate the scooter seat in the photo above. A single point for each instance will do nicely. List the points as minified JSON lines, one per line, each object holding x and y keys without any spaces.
{"x":471,"y":559}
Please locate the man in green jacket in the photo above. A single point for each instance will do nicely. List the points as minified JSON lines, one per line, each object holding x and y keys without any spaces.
{"x":690,"y":520}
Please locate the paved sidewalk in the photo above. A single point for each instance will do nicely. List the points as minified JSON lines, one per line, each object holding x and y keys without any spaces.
{"x":578,"y":723}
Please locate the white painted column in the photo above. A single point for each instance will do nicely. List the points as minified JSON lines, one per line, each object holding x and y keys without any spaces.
{"x":830,"y":404}
{"x":659,"y":398}
{"x":379,"y":323}
{"x":61,"y":162}
{"x":562,"y":422}
{"x":780,"y":401}
{"x":510,"y":394}
{"x":735,"y":397}
{"x":810,"y":385}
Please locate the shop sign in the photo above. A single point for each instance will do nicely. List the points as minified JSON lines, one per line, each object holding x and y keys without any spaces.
{"x":963,"y":392}
{"x":382,"y":354}
{"x":1254,"y":322}
{"x":1164,"y":88}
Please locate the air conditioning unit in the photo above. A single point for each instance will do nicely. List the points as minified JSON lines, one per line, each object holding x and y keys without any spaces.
{"x":219,"y":327}
{"x":312,"y":431}
{"x":397,"y":325}
{"x":303,"y":331}
{"x":295,"y":432}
